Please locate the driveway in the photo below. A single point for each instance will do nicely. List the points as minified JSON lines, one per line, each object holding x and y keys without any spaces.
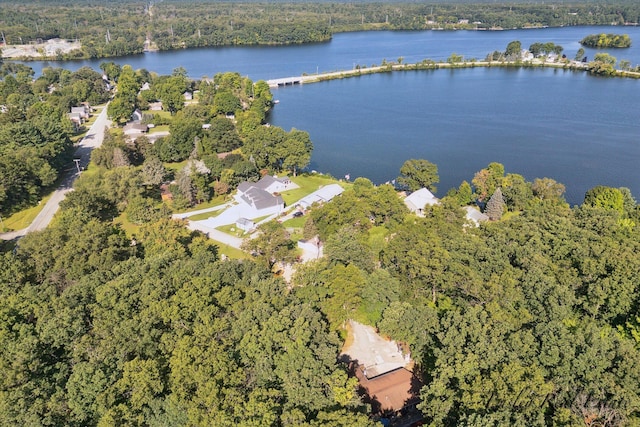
{"x":373,"y":352}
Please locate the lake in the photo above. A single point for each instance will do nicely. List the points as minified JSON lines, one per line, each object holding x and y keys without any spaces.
{"x":578,"y":129}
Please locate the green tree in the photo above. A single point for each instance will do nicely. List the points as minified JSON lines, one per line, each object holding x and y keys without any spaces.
{"x":487,"y":180}
{"x":513,"y":50}
{"x":548,"y":189}
{"x":418,"y":173}
{"x":605,"y":197}
{"x":495,"y":205}
{"x":273,"y":244}
{"x":226,"y":102}
{"x":347,"y":246}
{"x":295,"y":153}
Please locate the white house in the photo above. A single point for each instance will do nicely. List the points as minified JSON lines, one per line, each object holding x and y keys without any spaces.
{"x":418,"y":200}
{"x":259,"y":201}
{"x":273,"y":184}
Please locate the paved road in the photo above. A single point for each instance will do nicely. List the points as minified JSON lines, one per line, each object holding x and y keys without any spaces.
{"x":214,"y":234}
{"x":93,"y":139}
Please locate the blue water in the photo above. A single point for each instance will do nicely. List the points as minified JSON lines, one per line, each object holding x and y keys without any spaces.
{"x":578,"y":129}
{"x":349,"y":49}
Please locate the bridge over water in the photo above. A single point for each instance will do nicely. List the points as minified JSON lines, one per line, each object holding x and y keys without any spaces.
{"x":312,"y":78}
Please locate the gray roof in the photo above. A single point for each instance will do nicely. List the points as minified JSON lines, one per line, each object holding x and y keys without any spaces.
{"x":417,"y":200}
{"x":322,"y":195}
{"x":475,"y":215}
{"x":260,"y":199}
{"x":245,"y":222}
{"x":267,"y":180}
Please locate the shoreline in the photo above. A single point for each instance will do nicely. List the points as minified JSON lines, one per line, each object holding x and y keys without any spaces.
{"x":62,"y":50}
{"x":432,"y":65}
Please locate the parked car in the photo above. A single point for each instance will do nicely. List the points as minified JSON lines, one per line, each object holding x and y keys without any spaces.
{"x":297,"y":214}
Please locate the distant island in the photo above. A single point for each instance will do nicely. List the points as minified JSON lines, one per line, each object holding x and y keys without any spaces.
{"x":606,"y":40}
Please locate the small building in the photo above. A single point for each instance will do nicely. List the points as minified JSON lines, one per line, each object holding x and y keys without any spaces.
{"x":83,"y":111}
{"x":475,"y":216}
{"x":188,"y":96}
{"x":155,"y":106}
{"x":418,"y":200}
{"x":76,"y":119}
{"x":245,"y":224}
{"x":135,"y":129}
{"x":323,"y":195}
{"x":136,"y":116}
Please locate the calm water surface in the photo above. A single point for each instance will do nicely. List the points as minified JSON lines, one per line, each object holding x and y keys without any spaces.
{"x":578,"y":129}
{"x":349,"y":49}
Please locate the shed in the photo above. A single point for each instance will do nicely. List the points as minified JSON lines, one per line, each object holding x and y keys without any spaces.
{"x":245,"y":224}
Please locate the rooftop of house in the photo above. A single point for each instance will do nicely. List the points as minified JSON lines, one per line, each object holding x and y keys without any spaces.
{"x":259,"y":198}
{"x":392,"y":391}
{"x":419,"y":199}
{"x":321,"y":195}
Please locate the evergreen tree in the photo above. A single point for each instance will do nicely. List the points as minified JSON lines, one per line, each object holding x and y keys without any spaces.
{"x":495,"y":205}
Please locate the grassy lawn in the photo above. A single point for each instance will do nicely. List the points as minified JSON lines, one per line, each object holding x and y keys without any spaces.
{"x":308,"y":184}
{"x":175,"y":166}
{"x":231,"y":230}
{"x":22,"y":219}
{"x":161,"y":128}
{"x":295,"y":222}
{"x":205,"y":215}
{"x":231,"y":252}
{"x":377,"y":238}
{"x":161,"y":113}
{"x":130,"y":228}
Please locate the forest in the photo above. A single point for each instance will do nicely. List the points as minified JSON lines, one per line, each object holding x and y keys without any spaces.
{"x":530,"y":319}
{"x":121,"y":27}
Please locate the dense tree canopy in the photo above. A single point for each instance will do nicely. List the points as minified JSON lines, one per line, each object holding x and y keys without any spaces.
{"x":122,"y":28}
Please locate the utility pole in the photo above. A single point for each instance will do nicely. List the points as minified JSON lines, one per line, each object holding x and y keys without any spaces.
{"x":77,"y":162}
